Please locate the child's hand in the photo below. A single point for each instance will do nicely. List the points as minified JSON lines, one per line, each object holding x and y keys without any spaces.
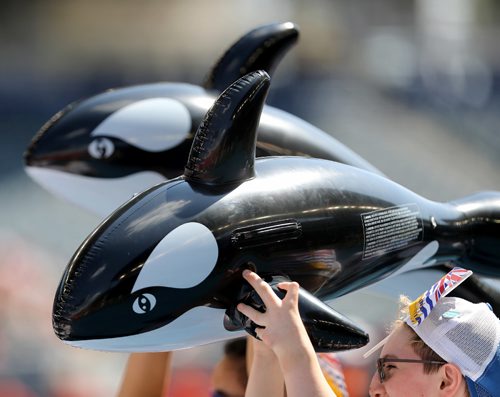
{"x":281,"y":327}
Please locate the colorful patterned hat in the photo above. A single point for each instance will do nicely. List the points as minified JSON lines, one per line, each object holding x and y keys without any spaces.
{"x":461,"y":332}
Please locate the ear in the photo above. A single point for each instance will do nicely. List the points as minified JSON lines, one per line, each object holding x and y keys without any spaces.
{"x":452,"y":380}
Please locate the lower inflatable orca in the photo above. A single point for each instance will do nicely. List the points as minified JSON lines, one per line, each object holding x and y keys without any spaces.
{"x":163,"y":270}
{"x":98,"y":152}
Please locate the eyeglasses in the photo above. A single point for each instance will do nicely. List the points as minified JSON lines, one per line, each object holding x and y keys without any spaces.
{"x":381,"y":368}
{"x":220,"y":393}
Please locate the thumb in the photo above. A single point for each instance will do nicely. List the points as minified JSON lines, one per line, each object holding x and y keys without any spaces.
{"x":292,"y":291}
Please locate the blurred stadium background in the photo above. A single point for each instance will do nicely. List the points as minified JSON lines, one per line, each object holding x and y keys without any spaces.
{"x":413,"y":86}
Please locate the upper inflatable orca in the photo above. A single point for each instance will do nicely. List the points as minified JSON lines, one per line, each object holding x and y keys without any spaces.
{"x":98,"y":152}
{"x":164,"y":270}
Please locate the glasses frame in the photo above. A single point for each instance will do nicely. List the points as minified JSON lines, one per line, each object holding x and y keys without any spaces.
{"x":220,"y":393}
{"x":382,"y":361}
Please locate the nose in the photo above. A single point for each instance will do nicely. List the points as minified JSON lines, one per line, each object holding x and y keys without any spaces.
{"x":376,"y":388}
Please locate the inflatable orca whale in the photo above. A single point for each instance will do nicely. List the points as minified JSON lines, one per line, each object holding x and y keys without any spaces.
{"x":163,"y":272}
{"x":98,"y":152}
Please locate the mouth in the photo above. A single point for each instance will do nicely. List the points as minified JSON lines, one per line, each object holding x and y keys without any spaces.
{"x":182,"y":333}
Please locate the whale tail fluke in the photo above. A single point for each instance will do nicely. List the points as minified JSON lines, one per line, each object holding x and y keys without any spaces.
{"x":481,"y":222}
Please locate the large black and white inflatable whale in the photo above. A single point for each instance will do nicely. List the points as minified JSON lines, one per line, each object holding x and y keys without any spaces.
{"x":163,"y":272}
{"x":98,"y":152}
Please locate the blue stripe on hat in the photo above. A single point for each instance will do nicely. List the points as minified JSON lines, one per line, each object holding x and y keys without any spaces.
{"x":487,"y":384}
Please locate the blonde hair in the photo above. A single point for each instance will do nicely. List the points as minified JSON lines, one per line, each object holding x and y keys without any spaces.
{"x":418,"y":345}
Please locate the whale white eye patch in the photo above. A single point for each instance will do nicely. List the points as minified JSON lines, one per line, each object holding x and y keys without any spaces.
{"x":155,"y":124}
{"x":182,"y":259}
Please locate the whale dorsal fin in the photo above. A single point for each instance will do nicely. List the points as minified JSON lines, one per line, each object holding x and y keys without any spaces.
{"x":260,"y":49}
{"x":223,"y":149}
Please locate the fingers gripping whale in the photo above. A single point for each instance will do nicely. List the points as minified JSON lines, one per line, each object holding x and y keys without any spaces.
{"x":163,"y":272}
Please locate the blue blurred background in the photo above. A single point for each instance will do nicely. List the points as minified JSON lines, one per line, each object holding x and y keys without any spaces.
{"x":412,"y":86}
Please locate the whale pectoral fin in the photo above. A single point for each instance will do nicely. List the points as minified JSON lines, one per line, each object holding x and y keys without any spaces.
{"x":234,"y":320}
{"x":260,"y":49}
{"x":328,"y":330}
